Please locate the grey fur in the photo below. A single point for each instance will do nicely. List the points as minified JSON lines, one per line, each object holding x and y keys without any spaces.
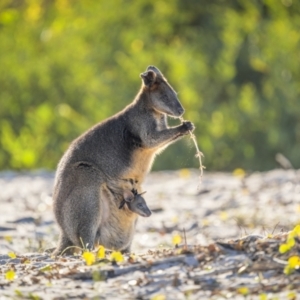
{"x":139,"y":206}
{"x":136,"y":203}
{"x":109,"y":158}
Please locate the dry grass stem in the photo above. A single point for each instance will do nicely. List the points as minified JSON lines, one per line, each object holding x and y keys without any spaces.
{"x":199,"y":154}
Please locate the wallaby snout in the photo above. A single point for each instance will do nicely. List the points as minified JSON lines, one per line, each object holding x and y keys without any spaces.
{"x":180,"y":111}
{"x":140,"y":207}
{"x":145,"y":213}
{"x":174,"y":108}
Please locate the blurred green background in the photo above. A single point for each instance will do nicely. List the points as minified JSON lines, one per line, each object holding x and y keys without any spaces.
{"x":66,"y":65}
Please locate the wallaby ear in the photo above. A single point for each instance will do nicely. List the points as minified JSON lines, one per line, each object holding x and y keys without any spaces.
{"x":149,"y":78}
{"x":154,"y":69}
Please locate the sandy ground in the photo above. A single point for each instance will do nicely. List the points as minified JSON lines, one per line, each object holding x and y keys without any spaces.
{"x":215,"y":216}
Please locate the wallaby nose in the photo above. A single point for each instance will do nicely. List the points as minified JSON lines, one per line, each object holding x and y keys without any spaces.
{"x":180,"y":111}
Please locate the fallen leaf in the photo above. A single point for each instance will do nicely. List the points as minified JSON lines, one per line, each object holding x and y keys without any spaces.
{"x":46,"y":268}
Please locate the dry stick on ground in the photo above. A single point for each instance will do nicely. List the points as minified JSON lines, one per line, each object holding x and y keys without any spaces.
{"x":199,"y":154}
{"x":185,"y":243}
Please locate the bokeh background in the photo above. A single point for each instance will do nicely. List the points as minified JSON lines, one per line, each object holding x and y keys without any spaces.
{"x":66,"y":65}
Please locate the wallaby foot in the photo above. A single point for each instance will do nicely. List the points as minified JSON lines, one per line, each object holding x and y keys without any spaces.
{"x":87,"y":237}
{"x":64,"y":247}
{"x":126,"y":250}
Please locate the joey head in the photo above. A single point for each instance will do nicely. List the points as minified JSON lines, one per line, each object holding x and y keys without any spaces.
{"x":136,"y":203}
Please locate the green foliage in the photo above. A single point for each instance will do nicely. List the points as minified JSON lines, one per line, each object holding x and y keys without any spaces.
{"x":66,"y":65}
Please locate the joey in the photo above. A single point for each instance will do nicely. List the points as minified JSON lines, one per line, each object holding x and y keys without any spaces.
{"x":136,"y":203}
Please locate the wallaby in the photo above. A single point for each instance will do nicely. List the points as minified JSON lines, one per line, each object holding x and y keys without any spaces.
{"x":136,"y":203}
{"x":111,"y":157}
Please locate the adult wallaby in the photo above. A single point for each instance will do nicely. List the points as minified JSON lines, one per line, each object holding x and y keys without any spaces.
{"x":111,"y":157}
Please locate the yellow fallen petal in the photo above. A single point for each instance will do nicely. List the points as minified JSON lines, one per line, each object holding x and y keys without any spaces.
{"x":296,"y":230}
{"x":89,"y":258}
{"x":116,"y":256}
{"x":223,"y":215}
{"x":284,"y":248}
{"x":185,"y":173}
{"x":159,"y":297}
{"x":291,"y":242}
{"x":294,"y":262}
{"x":239,"y":173}
{"x":263,"y":297}
{"x":11,"y":254}
{"x":176,"y":239}
{"x":8,"y":238}
{"x":101,"y":252}
{"x":292,"y":295}
{"x":10,"y":275}
{"x":288,"y":270}
{"x":243,"y":290}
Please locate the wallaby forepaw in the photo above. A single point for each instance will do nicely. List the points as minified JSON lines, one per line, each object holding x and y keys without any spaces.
{"x":188,"y":126}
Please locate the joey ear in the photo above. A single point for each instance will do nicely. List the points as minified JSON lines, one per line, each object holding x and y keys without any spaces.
{"x":149,"y":78}
{"x":128,"y":196}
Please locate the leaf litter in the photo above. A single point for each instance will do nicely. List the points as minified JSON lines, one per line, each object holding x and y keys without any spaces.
{"x":236,"y":236}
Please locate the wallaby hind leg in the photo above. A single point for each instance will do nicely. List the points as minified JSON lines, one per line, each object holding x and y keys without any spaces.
{"x":85,"y":217}
{"x":79,"y":214}
{"x":126,"y":250}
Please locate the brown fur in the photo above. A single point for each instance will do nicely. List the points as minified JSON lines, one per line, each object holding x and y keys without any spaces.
{"x":111,"y":157}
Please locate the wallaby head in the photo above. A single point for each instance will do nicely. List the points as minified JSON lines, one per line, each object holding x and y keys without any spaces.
{"x":162,"y":96}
